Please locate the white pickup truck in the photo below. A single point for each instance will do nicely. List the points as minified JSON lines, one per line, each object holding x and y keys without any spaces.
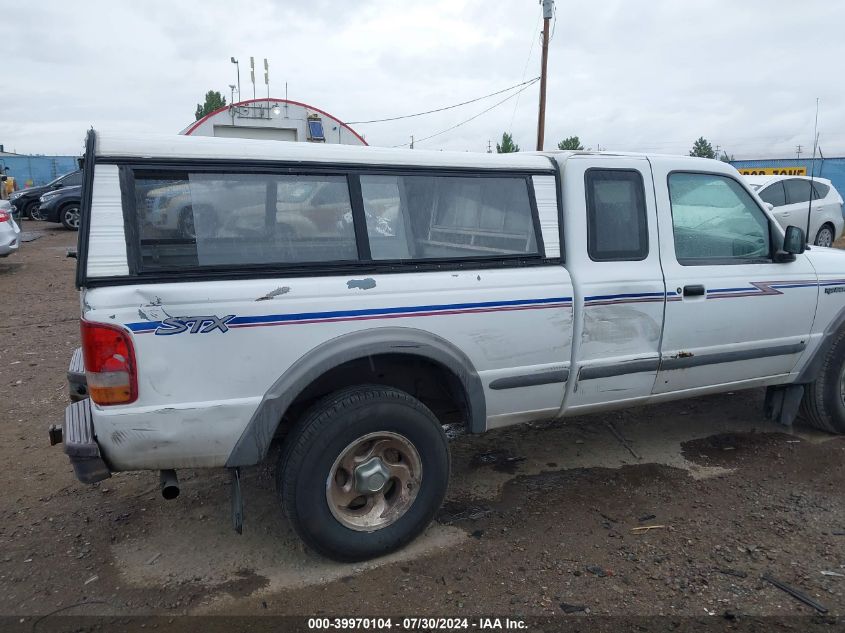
{"x":349,"y":302}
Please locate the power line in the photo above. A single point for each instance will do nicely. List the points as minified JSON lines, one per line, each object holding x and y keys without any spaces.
{"x":457,"y":105}
{"x":534,"y":38}
{"x":527,"y":85}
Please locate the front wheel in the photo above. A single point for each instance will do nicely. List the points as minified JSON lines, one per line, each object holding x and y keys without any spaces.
{"x":364,"y":472}
{"x":825,"y":236}
{"x":69,"y":217}
{"x":823,"y":406}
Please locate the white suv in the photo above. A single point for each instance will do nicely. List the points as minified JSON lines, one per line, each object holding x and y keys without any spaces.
{"x":792,"y":197}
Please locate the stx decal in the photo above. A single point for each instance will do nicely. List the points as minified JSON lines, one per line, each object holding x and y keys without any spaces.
{"x":194,"y":325}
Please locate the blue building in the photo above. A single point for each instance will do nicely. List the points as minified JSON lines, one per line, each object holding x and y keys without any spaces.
{"x":32,"y":171}
{"x":831,"y":168}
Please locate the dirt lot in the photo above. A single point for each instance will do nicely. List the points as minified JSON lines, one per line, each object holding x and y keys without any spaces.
{"x":539,"y":519}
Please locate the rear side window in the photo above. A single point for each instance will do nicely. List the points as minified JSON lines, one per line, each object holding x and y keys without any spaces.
{"x":220,"y":220}
{"x":617,"y":227}
{"x":773,"y":194}
{"x":821,"y":190}
{"x":798,"y":190}
{"x":436,"y":217}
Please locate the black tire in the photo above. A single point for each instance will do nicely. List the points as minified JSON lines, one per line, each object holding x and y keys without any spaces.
{"x":69,"y":216}
{"x":825,"y":236}
{"x":28,"y":209}
{"x":34,"y":211}
{"x":823,"y":405}
{"x":318,"y":440}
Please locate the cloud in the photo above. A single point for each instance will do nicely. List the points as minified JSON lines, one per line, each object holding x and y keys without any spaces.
{"x":627,"y":75}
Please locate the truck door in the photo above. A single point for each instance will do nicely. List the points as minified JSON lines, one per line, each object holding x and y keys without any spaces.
{"x":619,"y":291}
{"x":733,"y":316}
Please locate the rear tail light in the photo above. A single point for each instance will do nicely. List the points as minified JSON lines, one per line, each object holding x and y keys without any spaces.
{"x":109,"y":363}
{"x":4,"y":216}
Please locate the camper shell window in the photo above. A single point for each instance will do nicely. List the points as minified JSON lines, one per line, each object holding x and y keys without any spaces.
{"x":210,"y":219}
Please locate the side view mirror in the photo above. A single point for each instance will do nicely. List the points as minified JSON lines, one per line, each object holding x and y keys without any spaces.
{"x":794,"y":242}
{"x":58,"y":185}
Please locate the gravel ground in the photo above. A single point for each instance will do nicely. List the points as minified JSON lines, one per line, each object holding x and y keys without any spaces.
{"x":541,"y":520}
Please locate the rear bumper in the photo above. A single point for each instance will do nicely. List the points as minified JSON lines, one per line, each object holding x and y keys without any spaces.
{"x":81,"y":444}
{"x":9,"y":238}
{"x":76,"y":381}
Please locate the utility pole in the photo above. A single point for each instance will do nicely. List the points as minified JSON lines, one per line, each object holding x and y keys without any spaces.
{"x":412,"y":141}
{"x":548,"y":11}
{"x":798,"y":151}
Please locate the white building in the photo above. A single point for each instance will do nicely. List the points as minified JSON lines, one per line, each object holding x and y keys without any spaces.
{"x":275,"y":119}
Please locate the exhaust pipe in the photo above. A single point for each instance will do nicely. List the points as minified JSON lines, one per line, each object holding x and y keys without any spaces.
{"x":169,"y":484}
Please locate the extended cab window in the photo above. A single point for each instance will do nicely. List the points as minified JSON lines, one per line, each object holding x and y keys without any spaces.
{"x":435,"y":217}
{"x":617,"y":229}
{"x":212,"y":219}
{"x":716,"y":221}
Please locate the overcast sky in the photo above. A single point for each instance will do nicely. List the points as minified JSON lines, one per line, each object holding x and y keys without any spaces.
{"x":635,"y":75}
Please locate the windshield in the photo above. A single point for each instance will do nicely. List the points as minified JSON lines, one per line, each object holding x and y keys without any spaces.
{"x":53,"y":182}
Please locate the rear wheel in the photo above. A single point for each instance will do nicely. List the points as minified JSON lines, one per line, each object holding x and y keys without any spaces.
{"x":69,"y":216}
{"x":825,"y":236}
{"x":34,"y":211}
{"x":364,"y":472}
{"x":823,"y":406}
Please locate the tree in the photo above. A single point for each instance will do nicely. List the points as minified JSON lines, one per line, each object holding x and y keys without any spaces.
{"x":507,"y":145}
{"x":572,"y":142}
{"x":213,"y":101}
{"x":727,"y":159}
{"x":702,"y":148}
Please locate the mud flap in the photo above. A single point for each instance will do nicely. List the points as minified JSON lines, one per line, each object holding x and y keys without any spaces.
{"x":782,"y":403}
{"x":237,"y":501}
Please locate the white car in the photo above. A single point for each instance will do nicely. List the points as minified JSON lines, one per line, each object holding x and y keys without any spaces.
{"x":790,"y":197}
{"x":10,"y":233}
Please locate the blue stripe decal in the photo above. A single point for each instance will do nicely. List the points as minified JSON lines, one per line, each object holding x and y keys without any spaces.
{"x":632,"y":295}
{"x":757,"y":288}
{"x":271,"y":319}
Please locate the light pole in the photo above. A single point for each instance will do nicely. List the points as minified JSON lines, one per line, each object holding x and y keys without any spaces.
{"x":238,"y":66}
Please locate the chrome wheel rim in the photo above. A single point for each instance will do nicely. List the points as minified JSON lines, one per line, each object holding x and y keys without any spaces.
{"x":825,"y":238}
{"x":72,"y":217}
{"x":374,"y":481}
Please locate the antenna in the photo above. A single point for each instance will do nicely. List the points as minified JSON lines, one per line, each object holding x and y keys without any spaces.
{"x":813,"y":169}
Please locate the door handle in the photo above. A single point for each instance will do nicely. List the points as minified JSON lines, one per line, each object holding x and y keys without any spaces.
{"x":696,"y":290}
